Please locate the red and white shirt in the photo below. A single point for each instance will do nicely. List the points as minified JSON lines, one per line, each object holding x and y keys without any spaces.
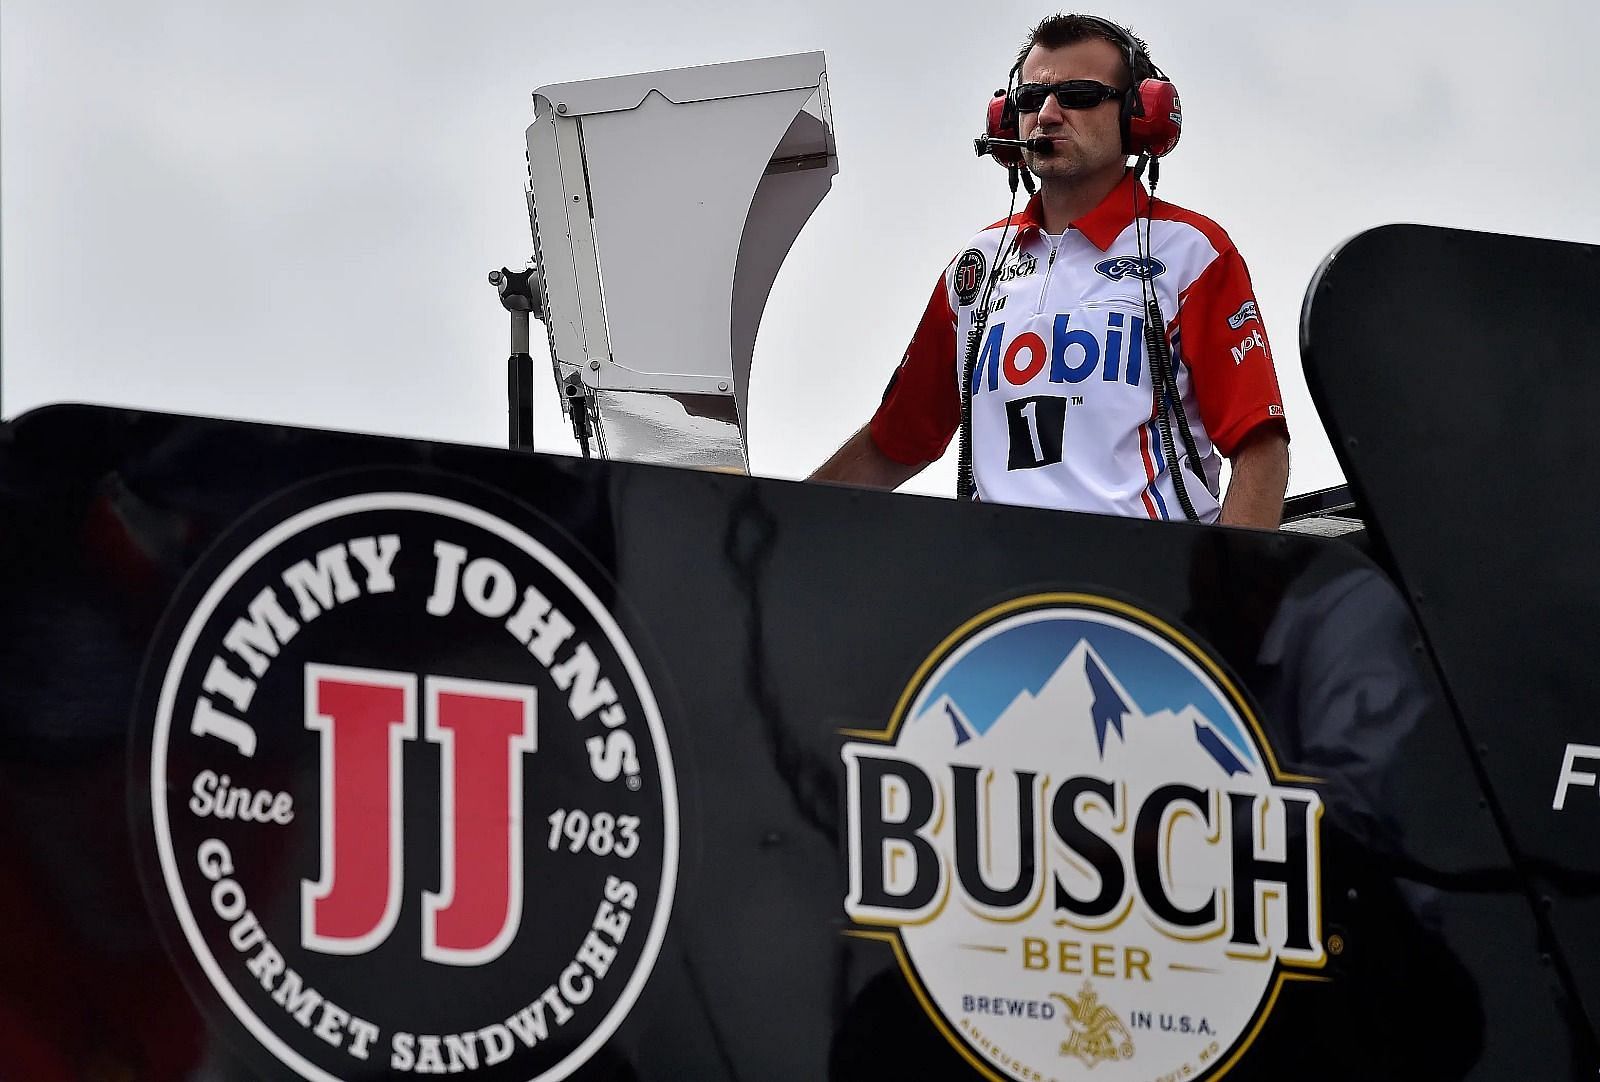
{"x":1063,"y":407}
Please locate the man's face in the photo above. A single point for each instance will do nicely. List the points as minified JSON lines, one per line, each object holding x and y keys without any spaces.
{"x":1088,"y":142}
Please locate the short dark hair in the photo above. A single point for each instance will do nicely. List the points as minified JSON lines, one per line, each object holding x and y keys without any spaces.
{"x":1058,"y":30}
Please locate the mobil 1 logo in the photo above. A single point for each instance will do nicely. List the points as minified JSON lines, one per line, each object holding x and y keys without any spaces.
{"x":411,"y":805}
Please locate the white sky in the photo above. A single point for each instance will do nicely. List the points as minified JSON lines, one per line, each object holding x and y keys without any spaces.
{"x":287,"y":212}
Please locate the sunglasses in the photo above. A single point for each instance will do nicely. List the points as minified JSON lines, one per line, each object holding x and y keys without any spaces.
{"x":1072,"y":94}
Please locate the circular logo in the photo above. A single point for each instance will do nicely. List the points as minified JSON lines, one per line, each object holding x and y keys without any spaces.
{"x":411,"y":796}
{"x":969,"y":276}
{"x":1078,"y":841}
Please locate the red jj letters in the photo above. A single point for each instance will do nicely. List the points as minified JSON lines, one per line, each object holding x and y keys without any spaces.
{"x":363,"y":717}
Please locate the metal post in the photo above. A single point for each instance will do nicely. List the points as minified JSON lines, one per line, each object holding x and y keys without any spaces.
{"x":518,"y":294}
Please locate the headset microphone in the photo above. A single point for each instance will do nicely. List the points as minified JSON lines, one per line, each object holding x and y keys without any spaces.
{"x":1039,"y":144}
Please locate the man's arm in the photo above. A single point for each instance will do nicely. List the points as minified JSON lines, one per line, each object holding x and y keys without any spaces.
{"x":1260,"y":476}
{"x":861,"y":462}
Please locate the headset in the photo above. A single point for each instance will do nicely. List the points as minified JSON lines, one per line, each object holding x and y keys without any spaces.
{"x":1151,"y":120}
{"x":1151,"y":115}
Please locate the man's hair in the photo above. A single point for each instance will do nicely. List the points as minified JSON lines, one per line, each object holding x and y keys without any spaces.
{"x":1058,"y":30}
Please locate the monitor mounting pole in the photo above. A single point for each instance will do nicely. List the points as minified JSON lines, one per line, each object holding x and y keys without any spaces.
{"x":519,"y":294}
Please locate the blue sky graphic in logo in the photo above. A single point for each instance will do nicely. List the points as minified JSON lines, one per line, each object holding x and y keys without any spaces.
{"x":985,"y":677}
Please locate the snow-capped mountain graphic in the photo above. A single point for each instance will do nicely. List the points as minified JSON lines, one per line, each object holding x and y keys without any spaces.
{"x":945,"y":709}
{"x":1066,"y":702}
{"x":1084,"y":710}
{"x":1110,"y":706}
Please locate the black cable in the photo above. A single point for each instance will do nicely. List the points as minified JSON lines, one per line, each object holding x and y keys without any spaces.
{"x":966,"y":486}
{"x":1171,"y":369}
{"x":1167,"y":402}
{"x":580,"y":424}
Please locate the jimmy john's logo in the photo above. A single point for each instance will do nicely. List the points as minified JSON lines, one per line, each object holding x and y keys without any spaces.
{"x":968,"y":276}
{"x":411,"y":798}
{"x":1077,"y":840}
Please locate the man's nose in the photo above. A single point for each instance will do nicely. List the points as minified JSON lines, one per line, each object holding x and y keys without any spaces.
{"x":1050,"y":113}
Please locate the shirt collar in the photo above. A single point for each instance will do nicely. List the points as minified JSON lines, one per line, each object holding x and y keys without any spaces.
{"x":1029,"y":219}
{"x":1102,"y":225}
{"x":1105,"y":223}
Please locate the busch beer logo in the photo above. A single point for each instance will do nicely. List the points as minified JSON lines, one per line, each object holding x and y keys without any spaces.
{"x":1119,"y":267}
{"x":411,"y":795}
{"x":1081,"y":846}
{"x":1021,"y":265}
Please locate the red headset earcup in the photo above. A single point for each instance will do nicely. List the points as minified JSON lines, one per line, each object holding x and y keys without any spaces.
{"x":1001,"y":123}
{"x":1156,"y":121}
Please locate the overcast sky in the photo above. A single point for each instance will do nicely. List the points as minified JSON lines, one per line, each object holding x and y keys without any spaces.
{"x":287,"y":212}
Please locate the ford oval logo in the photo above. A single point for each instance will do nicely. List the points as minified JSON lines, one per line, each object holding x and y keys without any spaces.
{"x":1120,"y":267}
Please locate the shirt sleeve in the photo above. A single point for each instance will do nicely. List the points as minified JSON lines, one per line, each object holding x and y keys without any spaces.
{"x":1224,"y":344}
{"x":921,"y":408}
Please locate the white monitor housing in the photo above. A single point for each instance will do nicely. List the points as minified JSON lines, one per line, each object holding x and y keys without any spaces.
{"x":663,"y":205}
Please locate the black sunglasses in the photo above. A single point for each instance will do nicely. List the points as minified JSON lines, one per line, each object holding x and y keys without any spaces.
{"x":1072,"y":94}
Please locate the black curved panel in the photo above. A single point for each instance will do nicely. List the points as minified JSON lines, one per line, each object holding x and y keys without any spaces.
{"x":1457,"y":375}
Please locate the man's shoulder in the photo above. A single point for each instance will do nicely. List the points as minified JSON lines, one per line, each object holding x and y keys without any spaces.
{"x":1023,"y":217}
{"x":1163,"y":211}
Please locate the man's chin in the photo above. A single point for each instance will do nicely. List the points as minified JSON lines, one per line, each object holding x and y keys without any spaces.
{"x":1054,"y":166}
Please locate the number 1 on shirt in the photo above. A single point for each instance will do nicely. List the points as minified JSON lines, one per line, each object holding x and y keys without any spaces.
{"x":1036,"y":425}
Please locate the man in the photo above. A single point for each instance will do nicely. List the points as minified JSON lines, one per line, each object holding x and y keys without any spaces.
{"x":1064,"y":406}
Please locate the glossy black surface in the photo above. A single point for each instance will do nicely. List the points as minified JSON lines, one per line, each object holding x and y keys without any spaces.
{"x":1455,"y":372}
{"x":768,"y":616}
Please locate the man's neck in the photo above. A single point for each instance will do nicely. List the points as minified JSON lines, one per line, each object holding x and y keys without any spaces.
{"x":1064,"y":202}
